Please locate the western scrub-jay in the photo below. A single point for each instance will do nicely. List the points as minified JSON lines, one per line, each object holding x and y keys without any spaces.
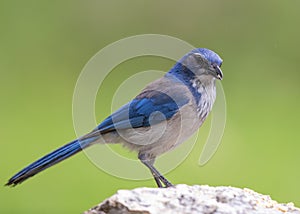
{"x":163,"y":115}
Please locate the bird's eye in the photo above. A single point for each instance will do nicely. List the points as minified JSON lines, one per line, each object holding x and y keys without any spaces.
{"x":220,"y":64}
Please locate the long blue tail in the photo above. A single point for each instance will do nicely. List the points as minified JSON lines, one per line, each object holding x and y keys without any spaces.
{"x":43,"y":163}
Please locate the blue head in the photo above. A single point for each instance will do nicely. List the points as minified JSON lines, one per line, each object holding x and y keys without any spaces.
{"x":203,"y":62}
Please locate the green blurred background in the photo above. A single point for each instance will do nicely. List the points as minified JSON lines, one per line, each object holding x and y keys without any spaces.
{"x":45,"y":44}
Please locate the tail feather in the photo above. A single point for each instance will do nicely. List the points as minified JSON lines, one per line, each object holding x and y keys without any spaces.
{"x":48,"y":160}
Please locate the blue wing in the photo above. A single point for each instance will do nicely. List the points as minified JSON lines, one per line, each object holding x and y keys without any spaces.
{"x":149,"y":108}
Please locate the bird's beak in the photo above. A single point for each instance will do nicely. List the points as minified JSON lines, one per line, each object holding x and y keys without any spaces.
{"x":217,"y":72}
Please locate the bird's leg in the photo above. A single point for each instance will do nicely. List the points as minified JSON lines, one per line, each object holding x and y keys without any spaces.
{"x":149,"y":163}
{"x":157,"y":181}
{"x":156,"y":174}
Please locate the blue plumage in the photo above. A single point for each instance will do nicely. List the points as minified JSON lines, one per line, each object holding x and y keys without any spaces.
{"x":50,"y":159}
{"x":43,"y":163}
{"x":185,"y":75}
{"x":209,"y":55}
{"x":143,"y":111}
{"x":182,"y":98}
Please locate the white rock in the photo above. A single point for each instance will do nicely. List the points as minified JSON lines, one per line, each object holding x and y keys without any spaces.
{"x":191,"y":199}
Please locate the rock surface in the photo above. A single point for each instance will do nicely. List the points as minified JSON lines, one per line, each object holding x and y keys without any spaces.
{"x":191,"y":199}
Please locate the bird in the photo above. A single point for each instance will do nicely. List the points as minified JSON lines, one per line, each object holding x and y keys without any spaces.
{"x":161,"y":117}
